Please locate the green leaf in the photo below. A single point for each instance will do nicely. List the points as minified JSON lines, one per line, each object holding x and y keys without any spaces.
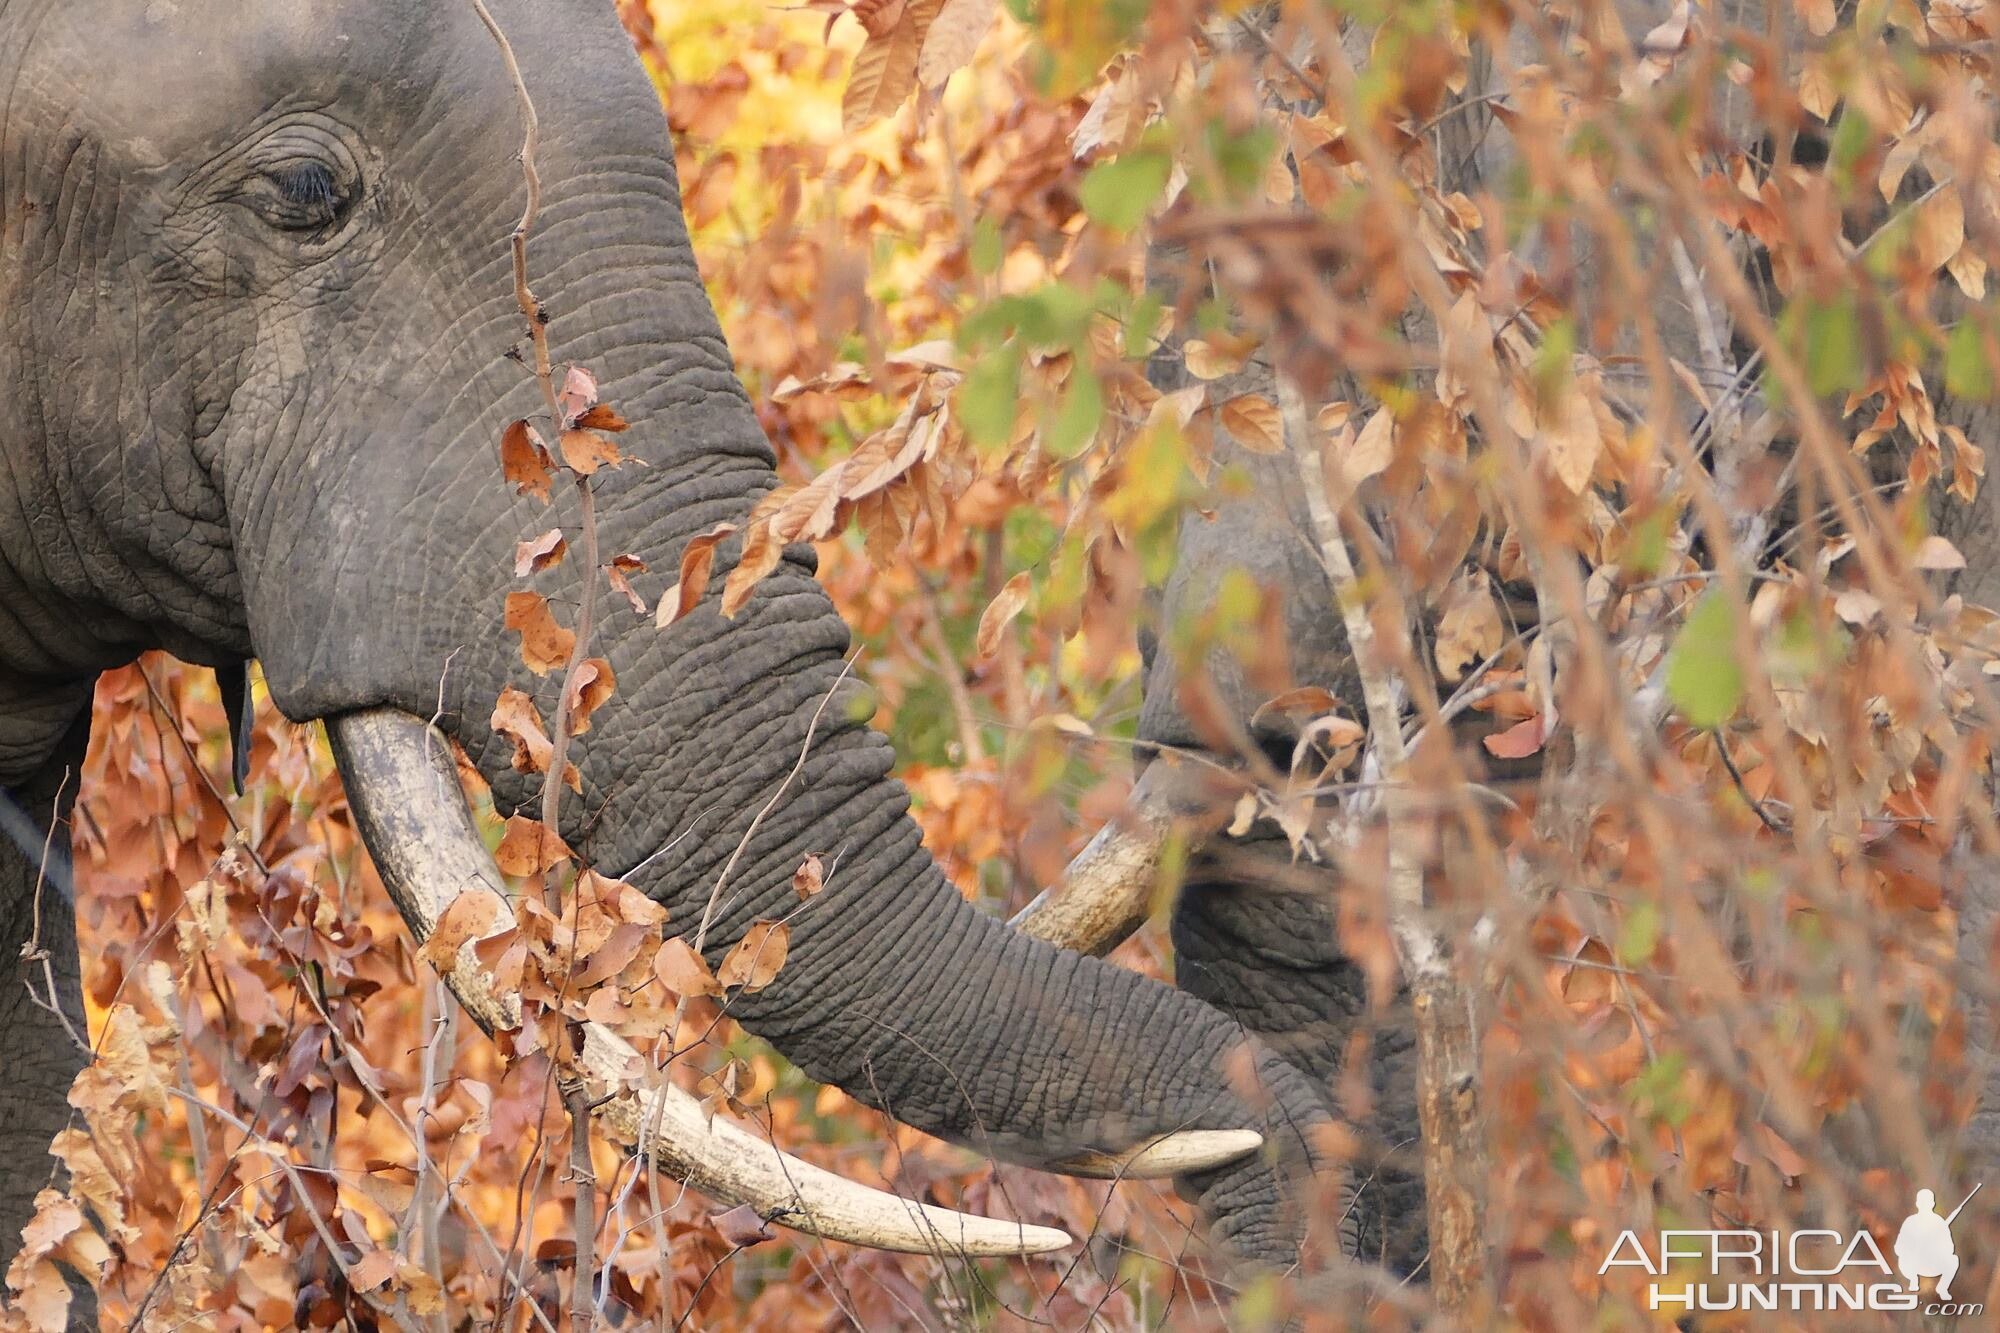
{"x":1833,"y":345}
{"x":1967,"y":373}
{"x":1639,"y":935}
{"x":1119,"y":193}
{"x":1704,"y":679}
{"x":1076,"y":423}
{"x":986,"y":252}
{"x":1646,"y":545}
{"x":1851,"y":138}
{"x":987,"y":399}
{"x":1555,"y":361}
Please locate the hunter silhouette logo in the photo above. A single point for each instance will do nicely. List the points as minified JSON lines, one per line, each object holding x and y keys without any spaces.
{"x":1811,"y":1269}
{"x":1924,"y":1246}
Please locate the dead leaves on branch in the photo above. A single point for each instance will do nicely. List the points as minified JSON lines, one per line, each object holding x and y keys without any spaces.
{"x":881,"y":485}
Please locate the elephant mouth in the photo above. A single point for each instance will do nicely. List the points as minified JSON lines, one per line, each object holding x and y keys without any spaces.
{"x":402,"y":784}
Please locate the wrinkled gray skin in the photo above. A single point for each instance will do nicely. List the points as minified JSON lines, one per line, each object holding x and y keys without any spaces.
{"x":243,"y":420}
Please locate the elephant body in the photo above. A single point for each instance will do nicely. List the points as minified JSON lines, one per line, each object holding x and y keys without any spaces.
{"x":261,"y":333}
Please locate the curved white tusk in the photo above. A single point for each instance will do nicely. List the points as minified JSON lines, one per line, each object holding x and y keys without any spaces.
{"x":402,"y":784}
{"x":1174,"y":1154}
{"x":1108,"y":890}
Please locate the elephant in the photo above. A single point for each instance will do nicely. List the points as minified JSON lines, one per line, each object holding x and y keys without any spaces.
{"x":262,"y":340}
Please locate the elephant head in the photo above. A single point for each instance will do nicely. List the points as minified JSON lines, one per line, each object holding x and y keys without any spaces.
{"x":261,"y":340}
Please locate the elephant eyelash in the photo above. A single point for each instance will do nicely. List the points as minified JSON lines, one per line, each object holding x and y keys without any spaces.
{"x":308,"y":186}
{"x":305,"y":197}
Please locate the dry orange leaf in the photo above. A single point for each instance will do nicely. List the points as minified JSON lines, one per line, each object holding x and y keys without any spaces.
{"x":809,"y":878}
{"x":757,"y":957}
{"x":1254,"y":421}
{"x":539,"y":553}
{"x":809,"y":515}
{"x":603,"y":416}
{"x":545,"y":644}
{"x":587,"y":690}
{"x":464,"y":919}
{"x":579,"y":393}
{"x":516,"y":719}
{"x":697,"y":561}
{"x":1470,"y":630}
{"x":1938,"y":230}
{"x":953,"y":37}
{"x":1372,"y":450}
{"x":877,"y":17}
{"x":1569,"y":431}
{"x":620,"y":572}
{"x":885,"y":72}
{"x":526,"y":848}
{"x":372,"y":1269}
{"x":761,"y":552}
{"x":1212,"y":360}
{"x":683,"y":971}
{"x":1307,"y":701}
{"x":1001,"y":612}
{"x":585,"y":451}
{"x":525,"y":461}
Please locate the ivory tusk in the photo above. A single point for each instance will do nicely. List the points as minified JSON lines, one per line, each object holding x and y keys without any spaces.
{"x":1108,"y":890}
{"x":1169,"y":1155}
{"x":402,"y":784}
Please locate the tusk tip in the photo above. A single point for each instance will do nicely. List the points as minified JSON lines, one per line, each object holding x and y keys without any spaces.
{"x":1042,"y":1240}
{"x":1169,"y":1155}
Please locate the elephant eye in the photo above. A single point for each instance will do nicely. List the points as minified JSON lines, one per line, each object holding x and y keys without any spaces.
{"x":303,"y":196}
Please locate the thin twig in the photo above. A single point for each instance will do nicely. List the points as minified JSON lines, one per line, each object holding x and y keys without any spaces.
{"x":576,"y":1097}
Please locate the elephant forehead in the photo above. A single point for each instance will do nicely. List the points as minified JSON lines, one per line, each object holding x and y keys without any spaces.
{"x":159,"y":80}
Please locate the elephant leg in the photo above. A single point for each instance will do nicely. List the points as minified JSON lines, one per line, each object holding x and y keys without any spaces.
{"x":1270,"y":957}
{"x":40,"y":1031}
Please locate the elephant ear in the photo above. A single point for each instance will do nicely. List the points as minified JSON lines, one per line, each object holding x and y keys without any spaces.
{"x":234,"y":683}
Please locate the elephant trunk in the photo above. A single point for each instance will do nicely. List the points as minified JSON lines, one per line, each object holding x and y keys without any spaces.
{"x":374,"y":574}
